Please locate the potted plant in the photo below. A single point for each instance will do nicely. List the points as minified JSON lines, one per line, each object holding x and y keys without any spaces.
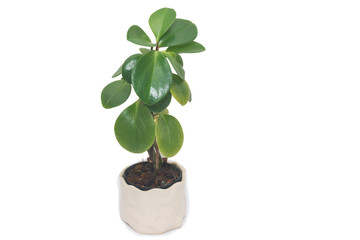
{"x":152,"y":196}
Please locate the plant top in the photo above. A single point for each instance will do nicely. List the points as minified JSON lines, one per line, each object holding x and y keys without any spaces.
{"x":146,"y":124}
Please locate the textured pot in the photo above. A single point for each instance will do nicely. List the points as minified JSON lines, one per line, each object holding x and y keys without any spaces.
{"x":154,"y":211}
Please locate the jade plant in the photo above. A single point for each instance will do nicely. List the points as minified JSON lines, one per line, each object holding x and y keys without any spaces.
{"x":146,"y":125}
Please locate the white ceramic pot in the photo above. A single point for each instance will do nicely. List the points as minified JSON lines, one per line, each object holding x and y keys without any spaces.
{"x":154,"y":211}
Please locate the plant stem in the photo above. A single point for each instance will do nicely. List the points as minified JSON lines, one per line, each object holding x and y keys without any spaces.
{"x":157,"y":46}
{"x":151,"y":152}
{"x":154,"y":150}
{"x":157,"y":157}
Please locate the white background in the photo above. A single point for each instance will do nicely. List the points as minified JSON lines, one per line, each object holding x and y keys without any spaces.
{"x":272,"y":137}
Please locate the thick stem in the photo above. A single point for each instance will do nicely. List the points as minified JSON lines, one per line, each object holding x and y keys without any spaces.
{"x":157,"y":157}
{"x":157,"y":47}
{"x":151,"y":152}
{"x":154,"y":152}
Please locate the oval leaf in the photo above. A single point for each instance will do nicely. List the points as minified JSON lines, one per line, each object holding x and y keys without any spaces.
{"x":192,"y":47}
{"x":161,"y":20}
{"x":135,"y":128}
{"x":165,"y":111}
{"x":144,"y":50}
{"x":129,"y":65}
{"x":115,"y":94}
{"x":136,"y":35}
{"x":176,"y":62}
{"x":181,"y":32}
{"x":152,"y":77}
{"x":180,"y":90}
{"x":161,"y":105}
{"x":169,"y":135}
{"x":118,"y":72}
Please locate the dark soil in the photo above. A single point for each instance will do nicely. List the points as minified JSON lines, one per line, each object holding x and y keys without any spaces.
{"x":142,"y":175}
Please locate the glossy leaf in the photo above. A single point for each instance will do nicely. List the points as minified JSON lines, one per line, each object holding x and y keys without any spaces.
{"x":135,"y":128}
{"x":129,"y":65}
{"x":144,"y":50}
{"x":152,"y":77}
{"x":118,"y":72}
{"x":176,"y":62}
{"x":136,"y":35}
{"x":161,"y":20}
{"x":191,"y":47}
{"x":180,"y":90}
{"x":181,"y":32}
{"x":115,"y":94}
{"x":169,"y":135}
{"x":161,"y":105}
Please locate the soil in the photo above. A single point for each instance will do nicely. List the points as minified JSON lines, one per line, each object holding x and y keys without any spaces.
{"x":142,"y":175}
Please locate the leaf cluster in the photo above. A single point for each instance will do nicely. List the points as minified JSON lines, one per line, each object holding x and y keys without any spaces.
{"x":150,"y":74}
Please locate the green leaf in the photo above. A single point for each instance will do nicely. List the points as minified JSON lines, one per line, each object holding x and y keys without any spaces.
{"x":165,"y":111}
{"x":191,"y":47}
{"x":162,"y":104}
{"x":152,"y":77}
{"x":115,"y":94}
{"x":161,"y":20}
{"x":118,"y":72}
{"x":180,"y":90}
{"x":129,"y":65}
{"x":136,"y":35}
{"x":176,"y":62}
{"x":181,"y":32}
{"x":144,"y":50}
{"x":169,"y":135}
{"x":135,"y":128}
